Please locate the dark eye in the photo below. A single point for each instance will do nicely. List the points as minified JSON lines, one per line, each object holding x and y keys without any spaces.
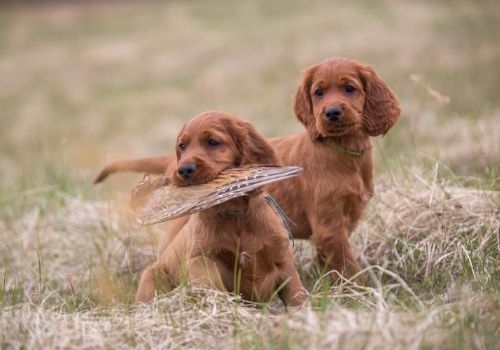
{"x":349,"y":88}
{"x":182,"y":146}
{"x":318,"y":92}
{"x":213,"y":142}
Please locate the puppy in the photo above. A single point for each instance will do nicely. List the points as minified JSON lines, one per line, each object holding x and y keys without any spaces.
{"x":239,"y":246}
{"x":341,"y":103}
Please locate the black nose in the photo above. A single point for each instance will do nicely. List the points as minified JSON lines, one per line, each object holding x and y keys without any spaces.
{"x":186,"y":170}
{"x":333,"y":113}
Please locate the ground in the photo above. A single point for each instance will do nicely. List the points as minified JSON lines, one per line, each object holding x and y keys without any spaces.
{"x":88,"y":82}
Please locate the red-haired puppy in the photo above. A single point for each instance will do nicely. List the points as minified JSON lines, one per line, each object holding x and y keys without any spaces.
{"x":239,"y":246}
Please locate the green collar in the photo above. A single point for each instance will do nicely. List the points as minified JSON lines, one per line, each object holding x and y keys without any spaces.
{"x":348,"y":151}
{"x":283,"y":216}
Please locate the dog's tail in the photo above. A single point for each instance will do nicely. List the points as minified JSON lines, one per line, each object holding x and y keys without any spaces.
{"x":151,"y":165}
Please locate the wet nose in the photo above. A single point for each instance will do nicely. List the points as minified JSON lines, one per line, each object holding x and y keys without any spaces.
{"x":186,"y":170}
{"x":333,"y":113}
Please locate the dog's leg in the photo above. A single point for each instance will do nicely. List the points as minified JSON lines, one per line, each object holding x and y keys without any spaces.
{"x":331,"y":237}
{"x":292,"y":293}
{"x":168,"y":271}
{"x":175,"y":228}
{"x":155,"y":277}
{"x":209,"y":273}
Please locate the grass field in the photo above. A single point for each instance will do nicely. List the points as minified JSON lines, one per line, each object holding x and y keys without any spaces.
{"x":89,"y":82}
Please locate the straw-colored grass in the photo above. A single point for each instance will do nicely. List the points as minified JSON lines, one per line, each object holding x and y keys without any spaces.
{"x":430,"y":251}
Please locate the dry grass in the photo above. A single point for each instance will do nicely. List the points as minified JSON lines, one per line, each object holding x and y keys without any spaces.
{"x":431,"y":251}
{"x":207,"y":319}
{"x":83,"y":83}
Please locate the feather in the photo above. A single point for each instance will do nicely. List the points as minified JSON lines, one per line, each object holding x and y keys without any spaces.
{"x":161,"y":201}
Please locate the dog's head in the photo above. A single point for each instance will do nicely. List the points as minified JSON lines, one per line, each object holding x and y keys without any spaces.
{"x":212,"y":142}
{"x":339,"y":97}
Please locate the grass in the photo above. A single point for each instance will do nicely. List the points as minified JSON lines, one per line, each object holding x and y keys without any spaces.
{"x":84,"y":83}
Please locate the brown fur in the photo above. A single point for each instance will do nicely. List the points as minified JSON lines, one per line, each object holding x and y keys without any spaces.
{"x":248,"y":253}
{"x":328,"y":199}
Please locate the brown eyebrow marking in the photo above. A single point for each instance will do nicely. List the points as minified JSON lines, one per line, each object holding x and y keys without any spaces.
{"x":320,"y":83}
{"x":351,"y":82}
{"x":210,"y":133}
{"x":184,"y":138}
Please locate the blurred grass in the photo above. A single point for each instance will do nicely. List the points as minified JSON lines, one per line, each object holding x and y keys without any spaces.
{"x":84,"y":83}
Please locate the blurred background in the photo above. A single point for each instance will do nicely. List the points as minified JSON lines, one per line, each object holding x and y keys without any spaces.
{"x":86,"y":82}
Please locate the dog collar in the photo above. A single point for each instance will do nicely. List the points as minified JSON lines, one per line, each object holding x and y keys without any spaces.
{"x":232,"y":213}
{"x":345,"y":150}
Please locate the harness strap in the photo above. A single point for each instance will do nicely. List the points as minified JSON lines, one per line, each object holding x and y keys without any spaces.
{"x":283,"y":216}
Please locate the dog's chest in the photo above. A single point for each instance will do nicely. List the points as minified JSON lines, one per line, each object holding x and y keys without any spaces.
{"x":249,"y":253}
{"x":332,"y":176}
{"x":335,"y":185}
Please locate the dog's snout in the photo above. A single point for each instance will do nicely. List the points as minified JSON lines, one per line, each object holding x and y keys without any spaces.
{"x":186,"y":170}
{"x":333,"y":113}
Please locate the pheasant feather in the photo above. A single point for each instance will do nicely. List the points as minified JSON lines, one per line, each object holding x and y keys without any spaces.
{"x":159,"y":201}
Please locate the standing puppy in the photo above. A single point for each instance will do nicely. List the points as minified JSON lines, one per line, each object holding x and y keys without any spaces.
{"x":240,"y":245}
{"x":341,"y":103}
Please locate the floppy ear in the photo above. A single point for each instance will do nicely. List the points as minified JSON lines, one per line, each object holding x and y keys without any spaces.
{"x":253,"y":148}
{"x":381,"y":110}
{"x":177,"y":151}
{"x":302,"y":104}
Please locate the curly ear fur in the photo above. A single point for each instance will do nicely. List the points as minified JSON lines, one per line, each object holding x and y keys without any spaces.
{"x":381,"y":110}
{"x":302,"y":105}
{"x":252,"y":147}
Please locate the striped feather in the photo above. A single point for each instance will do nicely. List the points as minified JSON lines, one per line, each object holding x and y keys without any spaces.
{"x":170,"y":202}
